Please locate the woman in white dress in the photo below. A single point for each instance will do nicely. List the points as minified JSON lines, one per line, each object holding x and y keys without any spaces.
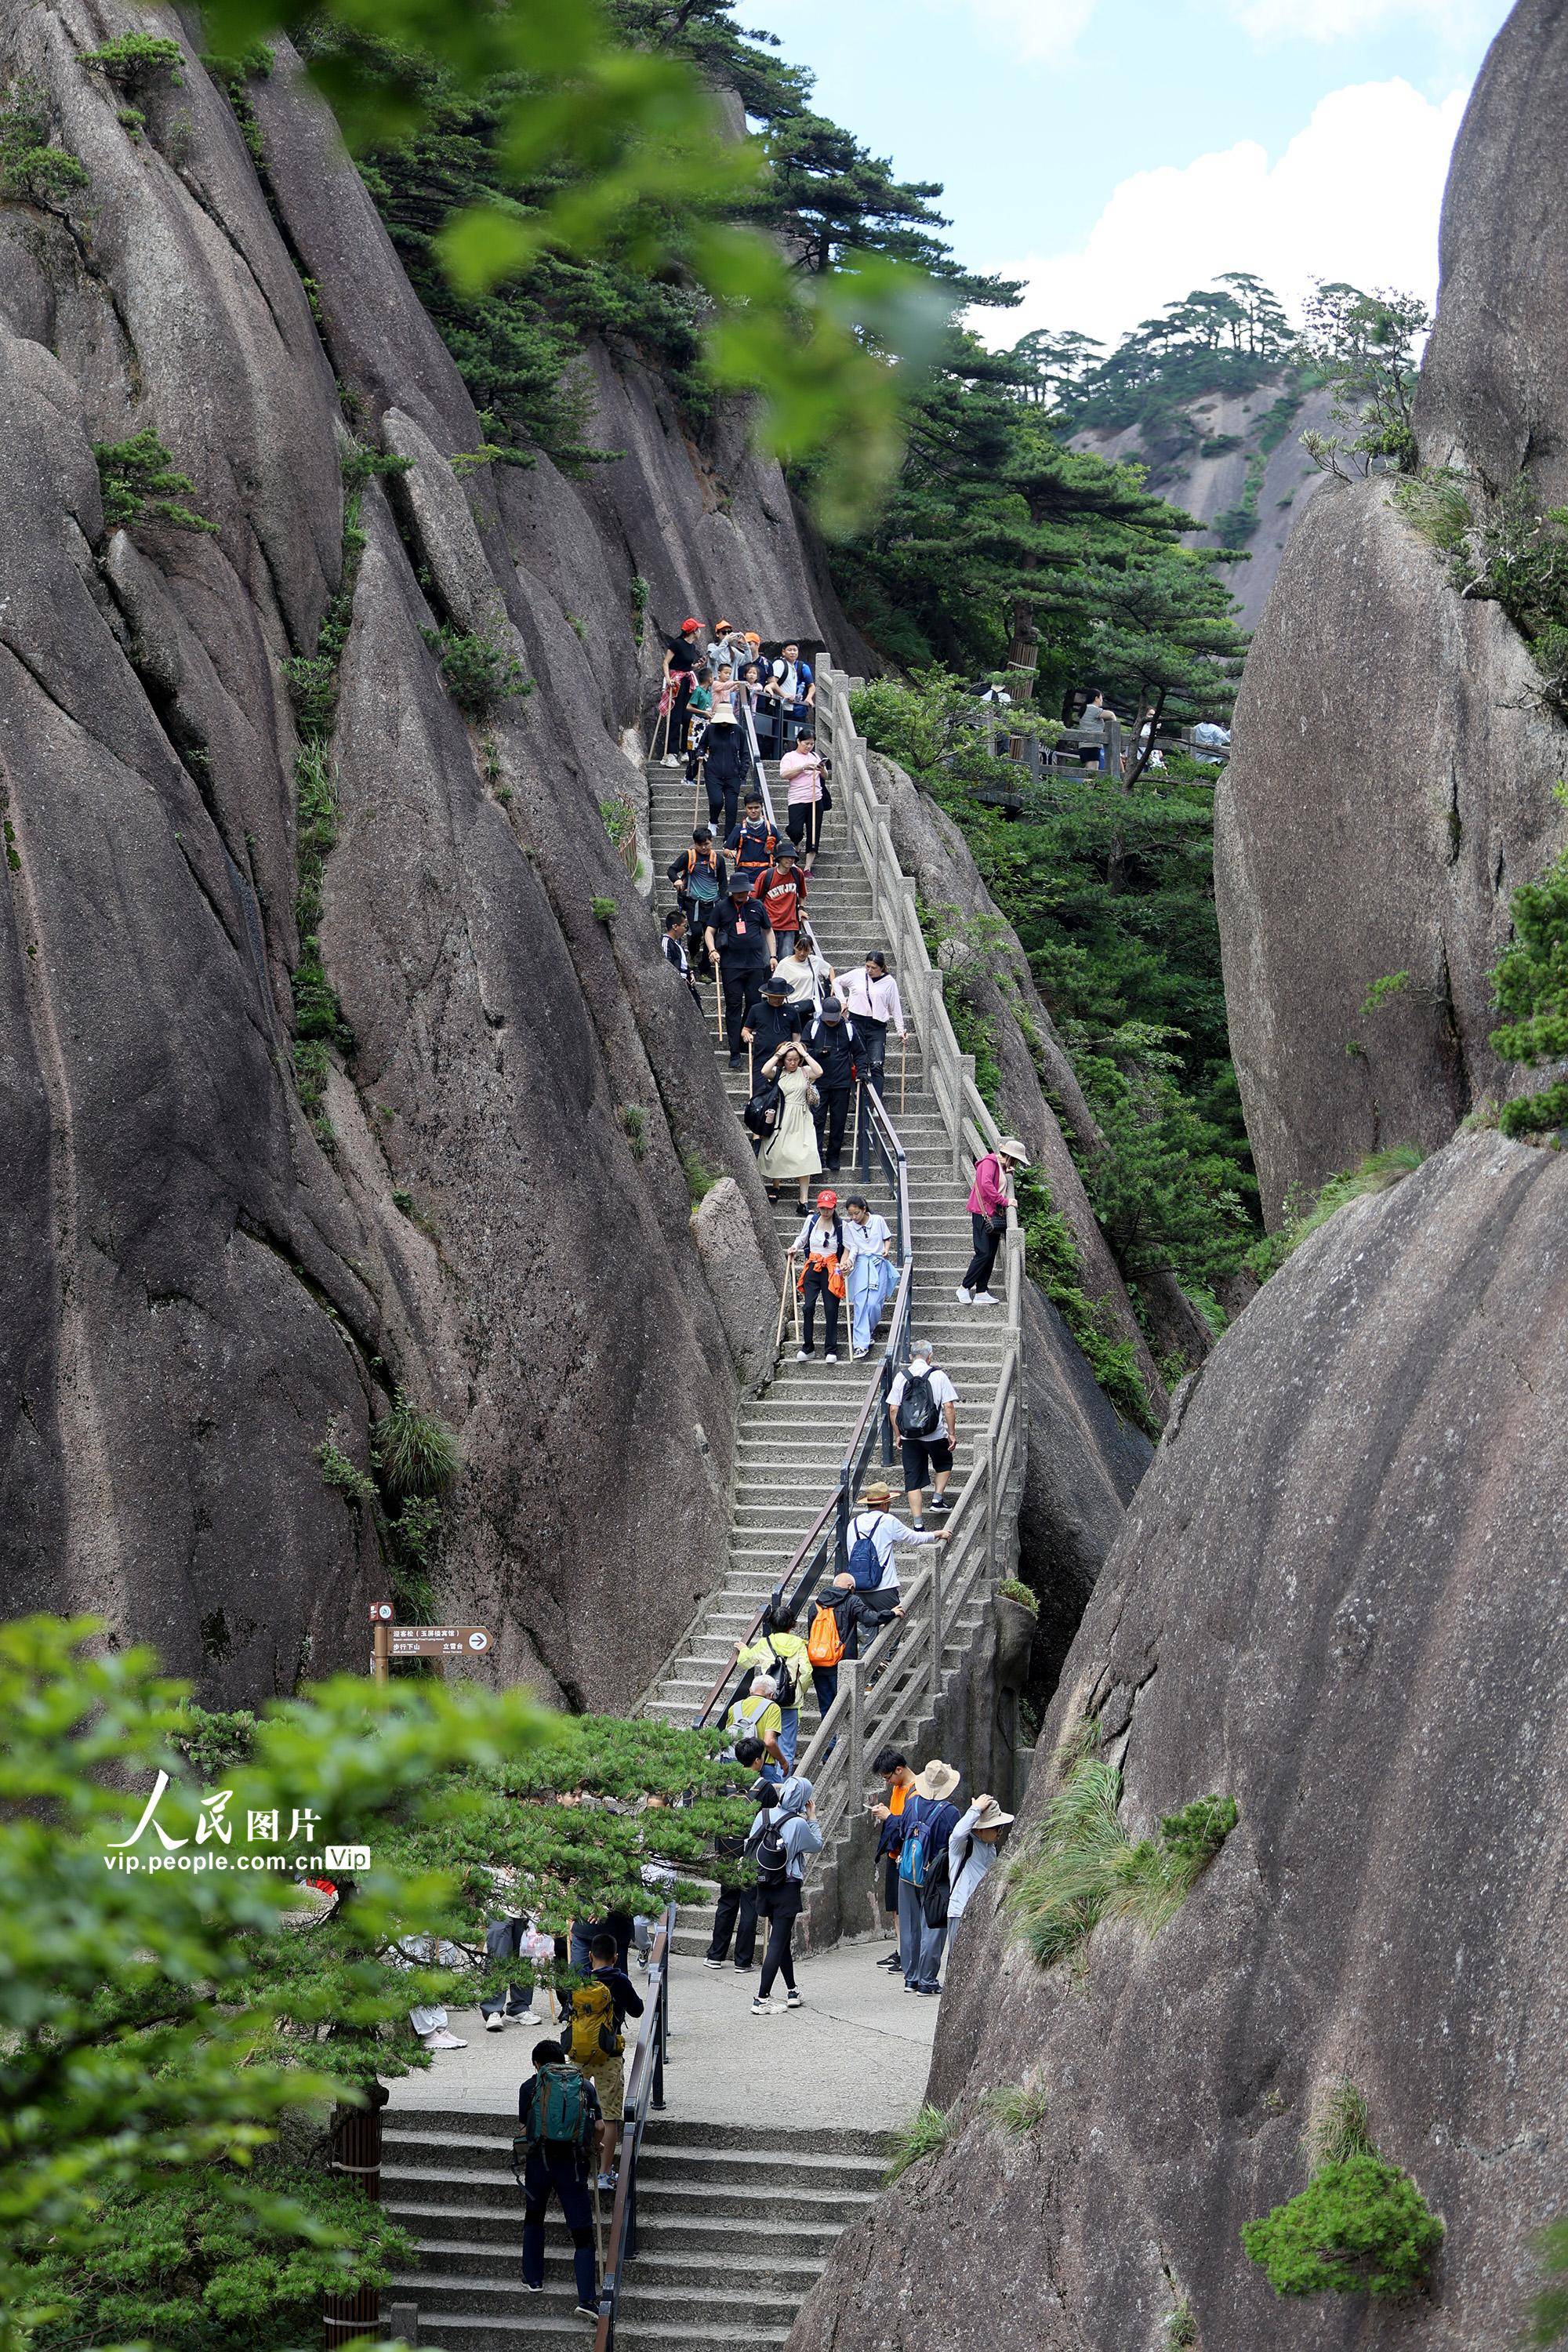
{"x":868,"y":1270}
{"x":791,"y":1150}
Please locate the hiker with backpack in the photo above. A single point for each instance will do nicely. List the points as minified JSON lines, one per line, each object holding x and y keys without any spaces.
{"x":559,"y":2119}
{"x":841,"y":1614}
{"x":751,"y":843}
{"x":894,"y":1769}
{"x":758,"y":1717}
{"x":674,"y":946}
{"x":990,"y":1198}
{"x":735,"y":1913}
{"x":923,"y":1407}
{"x":595,"y":2042}
{"x":683,"y":657}
{"x":701,"y":879}
{"x":874,"y":1534}
{"x":780,"y":891}
{"x":740,"y":943}
{"x":929,"y":1819}
{"x":780,"y":1652}
{"x":783,"y":1837}
{"x":820,"y":1243}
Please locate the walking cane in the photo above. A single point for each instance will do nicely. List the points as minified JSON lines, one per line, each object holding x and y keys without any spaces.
{"x":598,"y":2230}
{"x":799,"y":1339}
{"x":855,"y":1147}
{"x":717,"y":1004}
{"x":783,"y":1302}
{"x":903,"y":1065}
{"x":664,"y":715}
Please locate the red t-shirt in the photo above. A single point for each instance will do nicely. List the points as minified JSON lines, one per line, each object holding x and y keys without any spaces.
{"x":782,"y":901}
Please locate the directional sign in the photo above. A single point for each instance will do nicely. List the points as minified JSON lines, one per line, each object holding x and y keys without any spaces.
{"x":437,"y":1641}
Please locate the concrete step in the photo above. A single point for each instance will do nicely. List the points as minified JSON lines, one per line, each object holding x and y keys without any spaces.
{"x":705,"y":2298}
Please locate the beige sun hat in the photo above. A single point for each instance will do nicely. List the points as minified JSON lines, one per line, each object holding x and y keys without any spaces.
{"x":992,"y":1816}
{"x":938,"y":1780}
{"x":879,"y":1492}
{"x":1014,"y":1149}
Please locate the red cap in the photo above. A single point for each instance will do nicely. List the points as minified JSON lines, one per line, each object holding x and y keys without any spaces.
{"x":689,"y":625}
{"x":827,"y":1200}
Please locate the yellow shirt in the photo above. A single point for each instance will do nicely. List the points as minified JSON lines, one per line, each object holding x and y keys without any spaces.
{"x":764,"y":1657}
{"x":756,"y":1715}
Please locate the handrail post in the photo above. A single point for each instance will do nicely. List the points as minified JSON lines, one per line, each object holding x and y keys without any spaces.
{"x":965,"y":1078}
{"x":990,"y":1523}
{"x":936,"y":1625}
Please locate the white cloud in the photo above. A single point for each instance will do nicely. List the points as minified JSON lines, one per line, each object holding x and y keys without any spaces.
{"x":1356,"y":194}
{"x":1024,"y":32}
{"x":1341,"y":20}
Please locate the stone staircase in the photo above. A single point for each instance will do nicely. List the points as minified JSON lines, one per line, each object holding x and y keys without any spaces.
{"x":704,"y":2276}
{"x":792,"y":1439}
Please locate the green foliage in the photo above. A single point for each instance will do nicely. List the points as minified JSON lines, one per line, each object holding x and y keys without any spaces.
{"x":1531,"y":984}
{"x":1436,"y":503}
{"x":1013,"y":1588}
{"x":1339,"y":2126}
{"x":140,"y":485}
{"x":1366,"y":347}
{"x":1360,"y":2225}
{"x":1181,"y":2327}
{"x":234,"y":76}
{"x":33,"y":169}
{"x":1085,"y":1866}
{"x":1018,"y":2109}
{"x":1378,"y":1172}
{"x":138,"y":60}
{"x":699,"y":1178}
{"x":639,"y":607}
{"x":620,"y":819}
{"x":479,"y":672}
{"x":416,"y":1454}
{"x":340,"y":1471}
{"x":634,"y":1122}
{"x":1051,"y":1258}
{"x":1549,"y":2314}
{"x":604,"y":909}
{"x":1388,"y":985}
{"x":160,"y":2026}
{"x":930,"y":2130}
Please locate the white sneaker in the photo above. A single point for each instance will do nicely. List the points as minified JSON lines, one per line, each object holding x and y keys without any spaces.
{"x":760,"y":2007}
{"x":529,"y":2017}
{"x":984,"y":1298}
{"x":804,"y":1355}
{"x":712,"y":1964}
{"x":669,"y":761}
{"x":830,"y":1359}
{"x":494,"y":2022}
{"x":965,"y":1297}
{"x":444,"y":2041}
{"x":793,"y":2001}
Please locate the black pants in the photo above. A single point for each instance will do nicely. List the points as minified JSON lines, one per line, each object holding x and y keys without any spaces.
{"x":698,"y":913}
{"x":874,"y":1037}
{"x":891,"y":1884}
{"x":681,"y":711}
{"x":781,"y":1907}
{"x":815,"y":1288}
{"x":735,"y":1914}
{"x":803,"y":825}
{"x":502,"y":1940}
{"x":832,"y":1119}
{"x":987,"y":1242}
{"x":742,"y":989}
{"x":723,"y":794}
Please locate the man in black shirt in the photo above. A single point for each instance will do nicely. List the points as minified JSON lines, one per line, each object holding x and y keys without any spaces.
{"x":773,"y":1022}
{"x":834,"y":1043}
{"x":682,"y":658}
{"x":739,"y":937}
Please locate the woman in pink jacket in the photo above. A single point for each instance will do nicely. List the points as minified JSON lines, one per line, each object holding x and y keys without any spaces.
{"x":989,"y":1199}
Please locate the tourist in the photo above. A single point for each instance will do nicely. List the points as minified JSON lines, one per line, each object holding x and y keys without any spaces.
{"x":820,"y":1242}
{"x":751,"y":843}
{"x":894,"y":1769}
{"x":874,"y":1528}
{"x":972,"y":1852}
{"x":769,"y":715}
{"x":990,"y":1199}
{"x":796,"y":688}
{"x":779,"y":1652}
{"x":735,"y":1913}
{"x":726,"y":755}
{"x":869,"y":1274}
{"x":781,"y":894}
{"x":841,"y":1615}
{"x":790,"y":1153}
{"x":835,"y":1043}
{"x":1092,"y":729}
{"x":804,"y":772}
{"x":507,"y":1938}
{"x":773,"y":1022}
{"x":700,"y":877}
{"x":784,"y":1835}
{"x":807,"y":972}
{"x":741,"y":946}
{"x":759,"y":1717}
{"x":928,"y":1820}
{"x":674,"y":946}
{"x":616,"y":1924}
{"x":558,"y":2110}
{"x":683,"y":656}
{"x":699,"y":710}
{"x":870,"y":997}
{"x":923,"y":1407}
{"x":596,"y":2041}
{"x":431,"y":2023}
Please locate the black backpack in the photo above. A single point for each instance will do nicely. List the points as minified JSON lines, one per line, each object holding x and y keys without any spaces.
{"x":783,"y":1671}
{"x":937,"y":1891}
{"x":767,"y":1850}
{"x":919,"y":1414}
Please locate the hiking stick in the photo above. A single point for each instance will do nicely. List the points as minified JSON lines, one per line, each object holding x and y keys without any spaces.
{"x":717,"y":1004}
{"x":783,"y":1302}
{"x":598,"y":2230}
{"x":855,"y":1147}
{"x":664,"y":715}
{"x":903,"y":1066}
{"x":799,"y":1339}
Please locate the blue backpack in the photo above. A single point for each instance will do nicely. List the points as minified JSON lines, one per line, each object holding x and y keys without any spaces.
{"x":912,"y":1855}
{"x":864,"y":1565}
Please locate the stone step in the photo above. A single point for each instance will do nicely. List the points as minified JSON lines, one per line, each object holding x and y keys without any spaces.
{"x":675,"y":2305}
{"x":462,"y":2331}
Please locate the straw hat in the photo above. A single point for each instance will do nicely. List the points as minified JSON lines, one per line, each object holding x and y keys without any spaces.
{"x":938,"y":1780}
{"x":879,"y":1492}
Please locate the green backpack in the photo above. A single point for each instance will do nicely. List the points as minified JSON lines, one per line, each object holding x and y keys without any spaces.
{"x":559,"y":2115}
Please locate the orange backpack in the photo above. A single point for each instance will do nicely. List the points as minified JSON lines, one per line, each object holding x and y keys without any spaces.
{"x":824,"y":1644}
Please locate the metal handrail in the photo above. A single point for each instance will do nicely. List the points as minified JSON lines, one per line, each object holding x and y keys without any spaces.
{"x":645,"y":2088}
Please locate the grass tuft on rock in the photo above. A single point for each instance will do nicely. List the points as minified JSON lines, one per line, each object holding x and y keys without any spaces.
{"x":416,"y":1454}
{"x":1378,"y":1172}
{"x":1018,"y":2109}
{"x":929,"y":2130}
{"x":1549,"y":2313}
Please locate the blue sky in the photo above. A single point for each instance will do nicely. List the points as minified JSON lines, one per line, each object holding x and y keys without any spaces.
{"x":1117,"y":153}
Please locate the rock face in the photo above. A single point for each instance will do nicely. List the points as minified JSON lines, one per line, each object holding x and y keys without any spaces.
{"x":1229,"y":426}
{"x":1392,"y":784}
{"x":1391,"y":781}
{"x":198,"y":1290}
{"x":1340,"y":1597}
